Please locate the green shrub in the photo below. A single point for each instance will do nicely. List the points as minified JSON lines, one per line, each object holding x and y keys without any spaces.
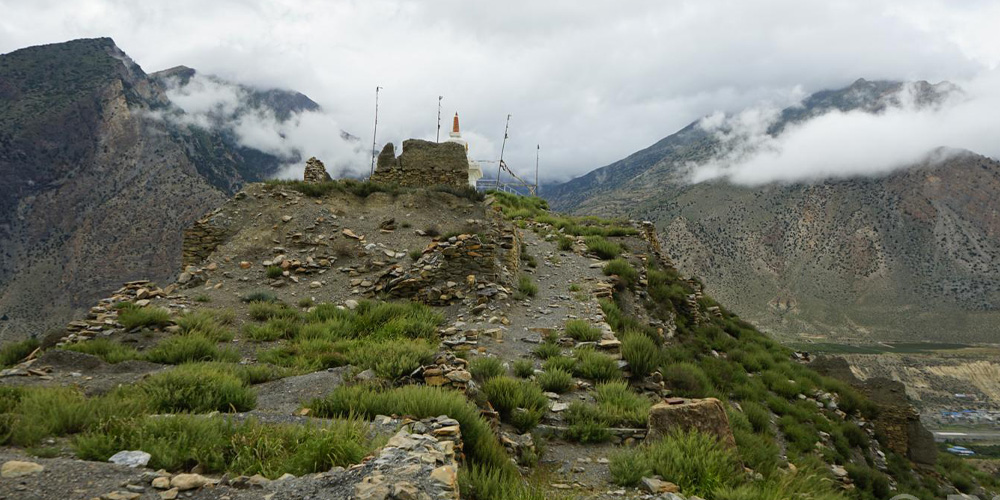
{"x":801,"y":437}
{"x":260,"y":296}
{"x":556,"y":380}
{"x":14,"y":352}
{"x":202,"y":298}
{"x":415,"y":253}
{"x":619,"y":321}
{"x":758,"y":451}
{"x":204,"y":323}
{"x":855,"y":435}
{"x":508,"y":394}
{"x":108,"y":350}
{"x":623,"y":270}
{"x":758,"y":416}
{"x":586,"y":424}
{"x":564,"y":243}
{"x":547,"y":350}
{"x":377,"y":320}
{"x":188,"y":348}
{"x":560,"y":363}
{"x":482,"y":483}
{"x":306,"y":302}
{"x":306,"y":355}
{"x":217,"y":444}
{"x":629,"y":467}
{"x":686,"y":380}
{"x":43,"y":412}
{"x":696,"y":462}
{"x":582,"y":331}
{"x":525,"y":419}
{"x":390,"y":359}
{"x":275,"y":328}
{"x":524,"y":368}
{"x":529,"y":260}
{"x":641,"y":352}
{"x":263,"y":311}
{"x":620,"y":406}
{"x":602,"y":248}
{"x":482,"y":447}
{"x":483,"y":368}
{"x":526,"y":287}
{"x":143,"y":317}
{"x":274,"y":272}
{"x":596,"y":366}
{"x":198,"y":388}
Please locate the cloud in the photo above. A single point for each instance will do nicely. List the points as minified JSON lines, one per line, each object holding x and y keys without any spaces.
{"x":854,"y":143}
{"x":590,"y":82}
{"x":211,"y":103}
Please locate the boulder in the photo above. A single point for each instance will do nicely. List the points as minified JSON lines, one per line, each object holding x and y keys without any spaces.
{"x":135,"y":458}
{"x":655,"y":486}
{"x":15,"y":468}
{"x":184,"y":482}
{"x":703,"y":415}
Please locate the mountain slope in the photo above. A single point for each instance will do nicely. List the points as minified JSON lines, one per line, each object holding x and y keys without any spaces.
{"x":903,"y":256}
{"x":95,"y":186}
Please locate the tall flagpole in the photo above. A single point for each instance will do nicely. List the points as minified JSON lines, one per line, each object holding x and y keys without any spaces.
{"x":502,"y":146}
{"x":538,"y":149}
{"x":374,"y":132}
{"x":439,"y":118}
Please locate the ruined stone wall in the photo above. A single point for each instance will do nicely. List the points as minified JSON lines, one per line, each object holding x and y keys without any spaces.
{"x":423,"y":164}
{"x":201,"y":239}
{"x":470,"y":267}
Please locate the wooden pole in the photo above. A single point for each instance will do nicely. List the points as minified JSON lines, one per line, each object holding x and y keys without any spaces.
{"x":502,"y":146}
{"x":374,"y":133}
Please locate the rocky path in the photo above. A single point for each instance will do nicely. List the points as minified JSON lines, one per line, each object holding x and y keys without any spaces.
{"x":555,"y":302}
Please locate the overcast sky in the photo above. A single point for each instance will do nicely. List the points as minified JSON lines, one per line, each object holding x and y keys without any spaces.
{"x":590,"y":81}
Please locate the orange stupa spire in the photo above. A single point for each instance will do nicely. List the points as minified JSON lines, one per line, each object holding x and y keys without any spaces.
{"x":454,"y":127}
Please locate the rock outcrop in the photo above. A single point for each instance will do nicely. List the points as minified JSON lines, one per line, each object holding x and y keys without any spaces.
{"x":897,"y":419}
{"x":703,"y":415}
{"x":423,"y":164}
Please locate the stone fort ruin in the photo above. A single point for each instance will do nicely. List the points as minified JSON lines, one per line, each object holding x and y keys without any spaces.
{"x":426,"y":163}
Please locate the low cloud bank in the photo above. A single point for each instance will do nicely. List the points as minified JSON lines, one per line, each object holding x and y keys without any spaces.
{"x":213,"y":104}
{"x":839,"y":144}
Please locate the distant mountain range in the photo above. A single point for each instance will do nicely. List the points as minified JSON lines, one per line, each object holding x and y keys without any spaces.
{"x":909,"y":255}
{"x":98,"y":178}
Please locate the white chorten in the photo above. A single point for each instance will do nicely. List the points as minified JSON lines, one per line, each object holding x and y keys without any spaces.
{"x":475,"y":173}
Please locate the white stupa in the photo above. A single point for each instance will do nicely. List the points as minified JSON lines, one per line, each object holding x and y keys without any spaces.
{"x":475,"y":173}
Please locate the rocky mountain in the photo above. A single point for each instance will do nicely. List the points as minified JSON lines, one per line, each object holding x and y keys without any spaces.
{"x":908,"y":255}
{"x":97,"y":181}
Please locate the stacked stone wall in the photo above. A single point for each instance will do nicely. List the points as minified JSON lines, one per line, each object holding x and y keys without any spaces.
{"x":423,"y":164}
{"x":201,"y":239}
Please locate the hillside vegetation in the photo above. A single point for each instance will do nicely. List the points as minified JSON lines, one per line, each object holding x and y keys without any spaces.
{"x":243,"y":370}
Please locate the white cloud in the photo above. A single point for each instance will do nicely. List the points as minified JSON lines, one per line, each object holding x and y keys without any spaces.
{"x":590,"y":82}
{"x":210,"y":103}
{"x":854,"y":143}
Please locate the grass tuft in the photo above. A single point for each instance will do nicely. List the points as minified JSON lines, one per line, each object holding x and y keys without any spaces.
{"x":143,"y":317}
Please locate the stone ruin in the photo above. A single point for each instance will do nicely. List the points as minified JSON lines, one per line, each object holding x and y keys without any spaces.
{"x":472,"y":268}
{"x":423,"y":164}
{"x":315,"y":172}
